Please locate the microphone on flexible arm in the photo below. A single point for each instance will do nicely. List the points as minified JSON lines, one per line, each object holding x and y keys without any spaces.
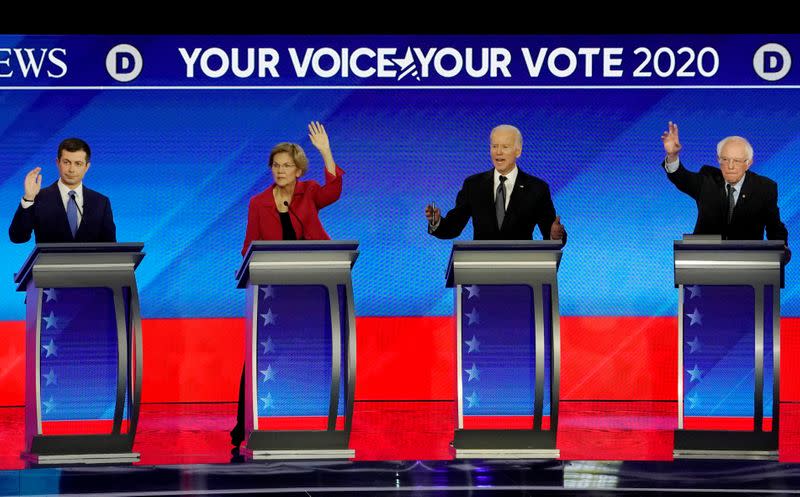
{"x":289,"y":208}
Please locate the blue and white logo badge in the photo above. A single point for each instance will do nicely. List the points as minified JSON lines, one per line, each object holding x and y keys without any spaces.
{"x":124,"y":63}
{"x":772,"y":62}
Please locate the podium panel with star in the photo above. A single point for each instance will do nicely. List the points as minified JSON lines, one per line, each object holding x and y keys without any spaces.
{"x":299,"y":349}
{"x":83,"y":352}
{"x":729,"y":351}
{"x":508,"y":352}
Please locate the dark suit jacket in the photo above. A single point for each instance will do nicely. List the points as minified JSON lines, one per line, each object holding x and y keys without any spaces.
{"x":756,"y":209}
{"x":47,"y":219}
{"x":530,"y":204}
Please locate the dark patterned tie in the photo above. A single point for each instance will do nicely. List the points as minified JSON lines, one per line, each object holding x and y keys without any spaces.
{"x":731,"y":201}
{"x":500,"y":202}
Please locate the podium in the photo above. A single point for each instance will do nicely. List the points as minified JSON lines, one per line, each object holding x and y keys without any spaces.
{"x":508,"y":347}
{"x":728,"y":347}
{"x":83,"y":338}
{"x":300,"y":349}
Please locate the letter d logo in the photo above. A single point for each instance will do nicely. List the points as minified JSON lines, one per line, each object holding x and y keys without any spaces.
{"x":772,"y":62}
{"x":124,"y":63}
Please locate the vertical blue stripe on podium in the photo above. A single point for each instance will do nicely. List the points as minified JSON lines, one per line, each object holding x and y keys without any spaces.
{"x":78,"y":356}
{"x":719,"y":350}
{"x":294,"y":350}
{"x":498,"y":350}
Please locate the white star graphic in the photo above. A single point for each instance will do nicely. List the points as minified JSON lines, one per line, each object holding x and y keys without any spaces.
{"x":49,"y":404}
{"x":473,"y":317}
{"x":474,"y":345}
{"x":696,"y":317}
{"x":267,"y":401}
{"x":474,"y":373}
{"x":269,"y":373}
{"x":51,"y":378}
{"x":269,"y":317}
{"x":51,"y":349}
{"x":268,"y":345}
{"x":51,"y":294}
{"x":473,"y":400}
{"x":695,"y":291}
{"x":51,"y":320}
{"x":695,"y":373}
{"x":693,"y":399}
{"x":694,"y":345}
{"x":473,"y":290}
{"x":268,"y":291}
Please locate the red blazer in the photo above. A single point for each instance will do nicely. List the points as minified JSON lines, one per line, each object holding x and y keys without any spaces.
{"x":309,"y":197}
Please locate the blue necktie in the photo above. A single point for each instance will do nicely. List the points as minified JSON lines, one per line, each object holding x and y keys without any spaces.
{"x":72,"y":213}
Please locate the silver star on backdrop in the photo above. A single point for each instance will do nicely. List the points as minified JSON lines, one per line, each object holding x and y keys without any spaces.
{"x":268,"y":345}
{"x":473,"y":290}
{"x":269,"y":373}
{"x":48,"y":404}
{"x":695,"y":373}
{"x":695,"y":291}
{"x":473,"y":399}
{"x":51,"y":378}
{"x":269,"y":317}
{"x":473,"y":317}
{"x":474,"y":373}
{"x":696,"y":317}
{"x":51,"y":320}
{"x":474,"y":345}
{"x":51,"y":294}
{"x":267,"y":401}
{"x":268,"y":291}
{"x":694,"y":345}
{"x":51,"y":348}
{"x":693,"y":400}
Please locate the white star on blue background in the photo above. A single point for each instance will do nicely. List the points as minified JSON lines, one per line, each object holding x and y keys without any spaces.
{"x":473,"y":290}
{"x":268,"y":373}
{"x":49,"y":404}
{"x":695,"y":373}
{"x":51,"y":294}
{"x":51,"y":320}
{"x":474,"y":345}
{"x":268,"y":291}
{"x":268,"y":345}
{"x":269,"y":317}
{"x":51,"y":378}
{"x":51,"y":349}
{"x":693,"y":399}
{"x":473,"y":317}
{"x":696,"y":317}
{"x":694,"y":345}
{"x":474,"y":373}
{"x":695,"y":291}
{"x":267,"y":401}
{"x":473,"y":399}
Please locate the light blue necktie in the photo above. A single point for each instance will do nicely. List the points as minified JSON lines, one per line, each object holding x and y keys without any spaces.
{"x":72,"y":213}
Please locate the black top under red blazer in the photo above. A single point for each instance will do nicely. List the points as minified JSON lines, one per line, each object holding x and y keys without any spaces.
{"x":47,"y":219}
{"x":531,"y":204}
{"x":756,"y":209}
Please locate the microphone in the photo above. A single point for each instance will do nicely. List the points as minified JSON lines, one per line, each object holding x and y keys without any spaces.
{"x":289,"y":208}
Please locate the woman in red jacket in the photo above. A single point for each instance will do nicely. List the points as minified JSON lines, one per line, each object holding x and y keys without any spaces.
{"x":289,"y":210}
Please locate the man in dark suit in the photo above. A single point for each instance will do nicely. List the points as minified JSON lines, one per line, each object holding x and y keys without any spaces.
{"x":504,"y":203}
{"x":731,"y":201}
{"x":65,"y":211}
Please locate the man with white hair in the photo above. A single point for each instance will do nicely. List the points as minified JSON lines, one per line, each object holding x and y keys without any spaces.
{"x":731,"y":201}
{"x":504,"y":203}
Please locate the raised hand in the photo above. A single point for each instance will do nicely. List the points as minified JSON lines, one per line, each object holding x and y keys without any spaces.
{"x":318,"y":136}
{"x":33,"y":183}
{"x":557,"y":229}
{"x":432,"y":213}
{"x":672,"y":144}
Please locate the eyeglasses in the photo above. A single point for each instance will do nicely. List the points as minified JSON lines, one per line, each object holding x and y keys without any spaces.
{"x":735,"y":162}
{"x":285,"y":167}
